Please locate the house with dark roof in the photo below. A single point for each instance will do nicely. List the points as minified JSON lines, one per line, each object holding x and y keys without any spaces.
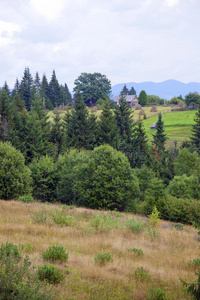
{"x":131,"y":100}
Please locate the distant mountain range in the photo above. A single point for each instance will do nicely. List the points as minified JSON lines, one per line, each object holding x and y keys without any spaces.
{"x":165,"y":90}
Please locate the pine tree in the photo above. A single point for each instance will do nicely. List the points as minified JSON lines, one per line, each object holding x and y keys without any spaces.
{"x":54,"y":90}
{"x":45,"y":93}
{"x":65,"y":95}
{"x":140,"y":145}
{"x":159,"y":138}
{"x":16,"y":89}
{"x":37,"y":84}
{"x":195,"y":138}
{"x":78,"y":134}
{"x":5,"y":109}
{"x":26,"y":88}
{"x":57,"y":135}
{"x":108,"y":131}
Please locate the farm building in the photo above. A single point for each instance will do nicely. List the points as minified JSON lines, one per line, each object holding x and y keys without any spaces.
{"x":132,"y":100}
{"x":153,"y":126}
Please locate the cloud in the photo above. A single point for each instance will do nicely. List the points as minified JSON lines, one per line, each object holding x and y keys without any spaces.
{"x":7,"y":31}
{"x":171,"y":3}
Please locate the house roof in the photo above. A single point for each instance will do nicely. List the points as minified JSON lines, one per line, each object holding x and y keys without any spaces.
{"x":129,"y":98}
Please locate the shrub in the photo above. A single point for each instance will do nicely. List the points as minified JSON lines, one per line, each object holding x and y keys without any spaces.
{"x":139,"y":252}
{"x":9,"y":249}
{"x":186,"y":162}
{"x":15,"y":179}
{"x":193,"y":288}
{"x":39,"y":217}
{"x":156,"y":294}
{"x":103,"y":258}
{"x":50,"y":274}
{"x":27,"y":248}
{"x":154,"y":220}
{"x":136,"y":226}
{"x":62,"y":219}
{"x":195,"y":262}
{"x":26,"y":199}
{"x":55,"y":253}
{"x":141,"y":274}
{"x":18,"y":279}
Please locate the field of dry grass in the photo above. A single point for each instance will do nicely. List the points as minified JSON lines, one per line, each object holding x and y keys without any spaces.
{"x":165,"y":257}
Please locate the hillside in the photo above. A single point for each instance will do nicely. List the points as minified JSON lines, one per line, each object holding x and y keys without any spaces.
{"x":142,"y":260}
{"x":165,"y":90}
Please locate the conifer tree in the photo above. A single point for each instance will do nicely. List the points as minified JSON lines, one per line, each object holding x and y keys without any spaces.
{"x":45,"y":93}
{"x":195,"y":138}
{"x":4,"y":114}
{"x":159,"y":138}
{"x":108,"y":131}
{"x":54,"y":90}
{"x":140,"y":145}
{"x":37,"y":84}
{"x":57,"y":135}
{"x":78,"y":133}
{"x":16,"y":89}
{"x":26,"y":88}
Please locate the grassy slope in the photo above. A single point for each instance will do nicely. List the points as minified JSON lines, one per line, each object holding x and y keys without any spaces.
{"x":165,"y":257}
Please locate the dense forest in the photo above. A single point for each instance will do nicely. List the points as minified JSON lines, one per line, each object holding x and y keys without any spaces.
{"x":105,"y":163}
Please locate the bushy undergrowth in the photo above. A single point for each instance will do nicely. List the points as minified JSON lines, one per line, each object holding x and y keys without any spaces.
{"x":39,"y":217}
{"x":54,"y":253}
{"x":18,"y":280}
{"x":141,"y":274}
{"x":135,"y":225}
{"x":61,"y":218}
{"x":50,"y":274}
{"x":103,"y":258}
{"x":156,"y":294}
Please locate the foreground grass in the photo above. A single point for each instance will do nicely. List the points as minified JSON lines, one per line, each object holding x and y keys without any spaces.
{"x":165,"y":259}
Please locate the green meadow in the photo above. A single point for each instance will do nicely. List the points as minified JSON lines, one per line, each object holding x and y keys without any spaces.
{"x":177,"y":125}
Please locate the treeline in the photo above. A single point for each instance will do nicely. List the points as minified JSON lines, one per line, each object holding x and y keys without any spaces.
{"x":106,"y":163}
{"x":52,"y":93}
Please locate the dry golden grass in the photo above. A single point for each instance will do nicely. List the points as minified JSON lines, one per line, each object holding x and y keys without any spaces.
{"x":165,"y":257}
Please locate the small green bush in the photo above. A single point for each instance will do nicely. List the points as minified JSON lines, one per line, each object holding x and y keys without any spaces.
{"x":136,"y":226}
{"x":55,"y":253}
{"x":26,"y":199}
{"x":27,"y":248}
{"x":9,"y":249}
{"x":50,"y":274}
{"x":103,"y":258}
{"x":156,"y":294}
{"x":39,"y":217}
{"x":195,"y":262}
{"x":193,"y":288}
{"x":139,"y":252}
{"x":62,"y":219}
{"x":18,"y":280}
{"x":141,"y":274}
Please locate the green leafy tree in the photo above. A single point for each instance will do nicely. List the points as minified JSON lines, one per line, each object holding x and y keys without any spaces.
{"x":143,"y":99}
{"x":192,"y":99}
{"x":99,"y":179}
{"x":15,"y":179}
{"x":92,"y":87}
{"x":195,"y":137}
{"x":108,"y":132}
{"x":159,"y":138}
{"x":153,"y":100}
{"x":186,"y":162}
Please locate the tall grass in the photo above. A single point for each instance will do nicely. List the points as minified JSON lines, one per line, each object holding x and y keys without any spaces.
{"x":165,"y":258}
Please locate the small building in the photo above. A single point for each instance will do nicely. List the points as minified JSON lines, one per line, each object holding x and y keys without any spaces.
{"x":131,"y":100}
{"x":153,"y":126}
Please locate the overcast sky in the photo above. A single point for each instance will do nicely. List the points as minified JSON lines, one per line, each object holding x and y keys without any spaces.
{"x":126,"y":40}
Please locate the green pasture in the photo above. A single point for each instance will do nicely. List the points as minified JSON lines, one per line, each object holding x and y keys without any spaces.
{"x":177,"y":125}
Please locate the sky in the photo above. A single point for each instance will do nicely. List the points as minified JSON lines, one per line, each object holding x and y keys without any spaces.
{"x":126,"y":40}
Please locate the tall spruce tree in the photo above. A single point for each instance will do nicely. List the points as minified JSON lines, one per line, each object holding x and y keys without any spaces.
{"x":78,"y":134}
{"x":195,"y":138}
{"x":108,"y":131}
{"x":159,"y":138}
{"x":140,"y":143}
{"x":37,"y":84}
{"x":26,"y":88}
{"x":56,"y":136}
{"x":5,"y":109}
{"x":45,"y":93}
{"x":54,"y":89}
